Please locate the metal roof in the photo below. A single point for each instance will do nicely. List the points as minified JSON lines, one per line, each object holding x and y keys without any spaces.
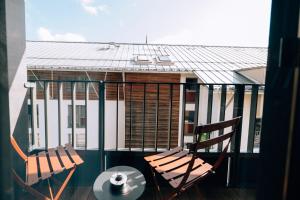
{"x":212,"y":64}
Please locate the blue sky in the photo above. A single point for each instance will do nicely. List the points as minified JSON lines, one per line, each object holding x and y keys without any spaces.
{"x":208,"y":22}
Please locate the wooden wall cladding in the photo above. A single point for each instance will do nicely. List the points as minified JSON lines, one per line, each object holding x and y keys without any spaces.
{"x":135,"y":110}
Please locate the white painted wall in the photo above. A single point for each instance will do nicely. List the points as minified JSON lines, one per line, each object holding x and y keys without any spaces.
{"x":256,"y":74}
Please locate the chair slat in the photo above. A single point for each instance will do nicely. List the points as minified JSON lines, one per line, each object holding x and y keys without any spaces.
{"x":217,"y":126}
{"x":173,"y":165}
{"x":162,"y":155}
{"x":64,"y":157}
{"x":193,"y":175}
{"x":44,"y":166}
{"x":75,"y":157}
{"x":32,"y":170}
{"x":56,"y":166}
{"x":181,"y":170}
{"x":168,"y":158}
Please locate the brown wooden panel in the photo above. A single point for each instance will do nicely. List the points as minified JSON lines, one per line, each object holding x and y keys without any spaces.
{"x":64,"y":158}
{"x":162,"y":155}
{"x":44,"y":166}
{"x":55,"y":164}
{"x":168,"y":159}
{"x":32,"y":170}
{"x":196,"y":173}
{"x":75,"y":157}
{"x":137,"y":114}
{"x":181,"y":170}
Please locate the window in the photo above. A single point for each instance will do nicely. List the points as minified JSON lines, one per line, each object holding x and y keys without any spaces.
{"x":189,"y":116}
{"x":37,"y":116}
{"x":257,"y":132}
{"x":163,"y":60}
{"x":189,"y":122}
{"x":142,"y":60}
{"x":70,"y":138}
{"x":80,"y":140}
{"x":191,"y":90}
{"x":80,"y":116}
{"x":70,"y":122}
{"x":191,"y":84}
{"x":29,"y":116}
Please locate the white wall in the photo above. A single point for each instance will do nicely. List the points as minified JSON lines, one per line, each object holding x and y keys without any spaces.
{"x":92,"y":124}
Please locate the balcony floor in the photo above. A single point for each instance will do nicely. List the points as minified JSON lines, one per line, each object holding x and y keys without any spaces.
{"x":198,"y":192}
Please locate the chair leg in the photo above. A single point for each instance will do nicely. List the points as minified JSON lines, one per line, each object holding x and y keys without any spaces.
{"x":63,"y":186}
{"x":31,"y":190}
{"x":50,"y":189}
{"x":157,"y":189}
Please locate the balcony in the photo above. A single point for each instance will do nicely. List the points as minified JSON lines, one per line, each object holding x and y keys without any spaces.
{"x":118,"y":123}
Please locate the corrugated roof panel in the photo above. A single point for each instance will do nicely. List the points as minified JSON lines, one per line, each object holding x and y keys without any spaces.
{"x":214,"y":64}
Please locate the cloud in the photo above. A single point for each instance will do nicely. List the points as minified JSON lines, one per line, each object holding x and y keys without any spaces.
{"x":87,"y":1}
{"x":92,"y":9}
{"x":45,"y":35}
{"x":184,"y":36}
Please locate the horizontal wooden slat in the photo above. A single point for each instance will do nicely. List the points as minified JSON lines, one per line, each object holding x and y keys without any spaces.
{"x":174,"y":164}
{"x":32,"y":170}
{"x":75,"y":157}
{"x":44,"y":166}
{"x":162,"y":155}
{"x":212,"y":141}
{"x":181,"y":170}
{"x":217,"y":126}
{"x":64,"y":157}
{"x":55,"y":164}
{"x":200,"y":171}
{"x":168,"y":159}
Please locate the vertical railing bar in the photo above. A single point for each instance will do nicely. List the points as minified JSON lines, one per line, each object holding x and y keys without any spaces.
{"x":45,"y":112}
{"x":252,"y":118}
{"x":209,"y":109}
{"x":238,"y":106}
{"x":32,"y":116}
{"x":222,"y":112}
{"x":157,"y":114}
{"x":101,"y":88}
{"x":59,"y":110}
{"x":170,"y":115}
{"x":144,"y":118}
{"x":183,"y":115}
{"x":73,"y":89}
{"x":130,"y":117}
{"x":86,"y":95}
{"x":73,"y":111}
{"x":117,"y":118}
{"x":196,"y":112}
{"x":237,"y":111}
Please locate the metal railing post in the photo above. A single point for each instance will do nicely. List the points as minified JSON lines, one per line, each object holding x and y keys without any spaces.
{"x":101,"y":123}
{"x":252,"y":118}
{"x":238,"y":106}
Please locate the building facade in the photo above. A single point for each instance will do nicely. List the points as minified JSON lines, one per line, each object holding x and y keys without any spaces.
{"x":131,"y":73}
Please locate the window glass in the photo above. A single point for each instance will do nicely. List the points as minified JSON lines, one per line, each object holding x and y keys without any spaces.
{"x":80,"y":116}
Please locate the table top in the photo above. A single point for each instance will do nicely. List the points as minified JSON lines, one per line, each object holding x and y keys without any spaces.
{"x":135,"y":184}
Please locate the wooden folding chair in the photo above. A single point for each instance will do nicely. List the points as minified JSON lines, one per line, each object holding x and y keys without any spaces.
{"x":182,"y":168}
{"x":38,"y":168}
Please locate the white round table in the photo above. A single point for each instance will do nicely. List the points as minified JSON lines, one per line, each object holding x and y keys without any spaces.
{"x":135,"y":185}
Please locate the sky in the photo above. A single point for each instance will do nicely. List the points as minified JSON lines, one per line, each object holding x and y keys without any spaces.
{"x":203,"y":22}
